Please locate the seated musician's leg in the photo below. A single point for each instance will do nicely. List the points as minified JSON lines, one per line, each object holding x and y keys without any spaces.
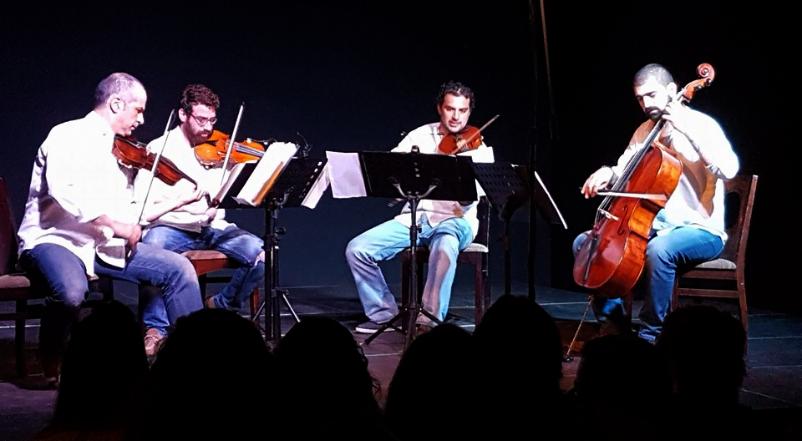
{"x":664,"y":254}
{"x":247,"y":250}
{"x":446,"y":240}
{"x":363,"y":255}
{"x":64,"y":276}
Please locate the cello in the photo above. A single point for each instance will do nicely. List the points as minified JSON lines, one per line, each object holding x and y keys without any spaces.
{"x":611,"y":260}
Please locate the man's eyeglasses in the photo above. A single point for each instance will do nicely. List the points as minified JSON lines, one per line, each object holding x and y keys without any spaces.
{"x":202,"y":121}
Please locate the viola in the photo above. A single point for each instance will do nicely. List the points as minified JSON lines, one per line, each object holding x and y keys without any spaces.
{"x":212,"y":152}
{"x":134,"y":154}
{"x":469,"y":138}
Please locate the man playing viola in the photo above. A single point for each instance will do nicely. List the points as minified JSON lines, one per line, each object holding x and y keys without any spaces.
{"x":447,"y":227}
{"x":81,"y":219}
{"x":194,"y":224}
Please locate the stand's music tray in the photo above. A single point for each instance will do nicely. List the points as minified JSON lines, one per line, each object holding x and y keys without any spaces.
{"x":415,"y":173}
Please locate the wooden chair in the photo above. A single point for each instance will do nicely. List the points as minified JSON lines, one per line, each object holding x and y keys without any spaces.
{"x":729,"y":268}
{"x":15,"y":285}
{"x":477,"y":254}
{"x":210,"y":261}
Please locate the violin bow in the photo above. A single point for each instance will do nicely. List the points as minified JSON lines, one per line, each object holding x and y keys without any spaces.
{"x":231,"y":143}
{"x":166,"y":135}
{"x":484,"y":127}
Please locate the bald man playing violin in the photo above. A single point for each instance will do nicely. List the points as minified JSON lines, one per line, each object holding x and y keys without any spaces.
{"x":81,"y":219}
{"x":194,"y":224}
{"x":446,"y":227}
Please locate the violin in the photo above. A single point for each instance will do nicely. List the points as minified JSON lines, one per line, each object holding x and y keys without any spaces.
{"x":134,"y":154}
{"x":469,"y":138}
{"x":212,"y":152}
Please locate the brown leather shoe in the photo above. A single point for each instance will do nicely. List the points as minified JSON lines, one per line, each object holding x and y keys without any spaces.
{"x":153,"y":342}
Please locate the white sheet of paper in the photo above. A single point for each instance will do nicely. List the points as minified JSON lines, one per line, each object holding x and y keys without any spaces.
{"x":274,"y":159}
{"x":318,"y":188}
{"x":345,"y":175}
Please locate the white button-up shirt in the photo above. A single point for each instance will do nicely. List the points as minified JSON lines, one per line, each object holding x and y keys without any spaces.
{"x":698,"y":199}
{"x":76,"y":179}
{"x":192,"y":216}
{"x":427,"y":138}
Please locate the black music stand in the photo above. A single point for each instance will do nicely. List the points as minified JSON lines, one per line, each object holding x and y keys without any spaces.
{"x":506,"y":186}
{"x":288,"y":190}
{"x":413,"y":177}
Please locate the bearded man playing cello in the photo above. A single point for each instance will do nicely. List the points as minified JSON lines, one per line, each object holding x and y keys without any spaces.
{"x":690,"y":228}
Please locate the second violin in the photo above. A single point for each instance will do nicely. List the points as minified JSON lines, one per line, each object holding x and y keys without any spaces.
{"x":212,"y":152}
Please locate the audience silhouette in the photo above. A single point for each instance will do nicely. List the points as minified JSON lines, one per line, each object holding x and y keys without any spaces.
{"x":431,"y":388}
{"x":102,"y":377}
{"x":205,"y":378}
{"x":324,"y":386}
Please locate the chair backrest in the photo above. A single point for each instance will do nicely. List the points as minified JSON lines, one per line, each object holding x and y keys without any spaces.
{"x":483,"y":214}
{"x":740,"y":195}
{"x":8,"y":232}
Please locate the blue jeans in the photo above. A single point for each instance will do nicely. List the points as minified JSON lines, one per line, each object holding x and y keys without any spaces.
{"x":236,"y":243}
{"x":385,"y":241}
{"x":64,"y":276}
{"x":682,"y":247}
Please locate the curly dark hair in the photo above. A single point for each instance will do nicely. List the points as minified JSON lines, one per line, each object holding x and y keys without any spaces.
{"x":455,"y":88}
{"x":198,"y":94}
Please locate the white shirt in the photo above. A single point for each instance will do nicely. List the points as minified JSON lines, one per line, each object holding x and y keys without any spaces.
{"x":427,"y":138}
{"x":76,"y":179}
{"x":190,"y":217}
{"x":698,"y":199}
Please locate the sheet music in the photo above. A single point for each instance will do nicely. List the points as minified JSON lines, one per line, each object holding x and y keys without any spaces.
{"x":232,"y":176}
{"x":345,"y":175}
{"x":551,"y":200}
{"x":317,"y":189}
{"x":274,"y":159}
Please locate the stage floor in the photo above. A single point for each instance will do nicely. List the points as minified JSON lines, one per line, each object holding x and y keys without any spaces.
{"x":773,"y":382}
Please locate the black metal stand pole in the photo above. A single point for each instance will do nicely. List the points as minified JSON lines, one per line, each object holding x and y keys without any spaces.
{"x":413,"y":307}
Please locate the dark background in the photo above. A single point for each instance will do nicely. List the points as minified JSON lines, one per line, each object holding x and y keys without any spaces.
{"x":352,"y":76}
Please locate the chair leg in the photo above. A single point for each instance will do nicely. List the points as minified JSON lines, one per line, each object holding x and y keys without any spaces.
{"x":479,"y":293}
{"x":19,"y":338}
{"x":202,"y":283}
{"x":742,"y":306}
{"x":253,"y":302}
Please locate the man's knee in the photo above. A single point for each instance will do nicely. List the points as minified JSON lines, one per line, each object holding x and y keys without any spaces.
{"x":71,"y":294}
{"x":355,"y":250}
{"x":658,"y":254}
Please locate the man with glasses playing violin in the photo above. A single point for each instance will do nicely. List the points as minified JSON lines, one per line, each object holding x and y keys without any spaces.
{"x":194,"y":223}
{"x":81,"y":220}
{"x":447,"y":227}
